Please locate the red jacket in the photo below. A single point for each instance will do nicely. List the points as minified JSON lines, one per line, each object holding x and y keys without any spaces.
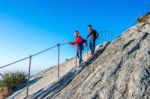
{"x":78,"y":41}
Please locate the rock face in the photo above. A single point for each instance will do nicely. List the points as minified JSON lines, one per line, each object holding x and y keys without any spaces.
{"x":122,"y":71}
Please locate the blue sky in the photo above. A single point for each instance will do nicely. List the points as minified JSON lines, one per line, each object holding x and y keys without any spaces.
{"x":28,"y":26}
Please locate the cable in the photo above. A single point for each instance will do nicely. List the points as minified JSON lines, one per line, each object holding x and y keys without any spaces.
{"x":14,"y":62}
{"x":28,"y":57}
{"x":64,"y":44}
{"x":32,"y":55}
{"x":44,"y":51}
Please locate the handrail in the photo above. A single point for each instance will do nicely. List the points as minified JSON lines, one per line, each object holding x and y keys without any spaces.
{"x":44,"y":51}
{"x":64,"y":44}
{"x":13,"y":62}
{"x":38,"y":53}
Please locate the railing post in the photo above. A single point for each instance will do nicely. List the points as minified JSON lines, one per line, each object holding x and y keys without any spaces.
{"x":76,"y":59}
{"x":58,"y":60}
{"x":29,"y":70}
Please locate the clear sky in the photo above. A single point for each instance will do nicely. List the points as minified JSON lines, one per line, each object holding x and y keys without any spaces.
{"x":28,"y":26}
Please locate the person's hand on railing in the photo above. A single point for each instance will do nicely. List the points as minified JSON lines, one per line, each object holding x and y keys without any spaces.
{"x":71,"y":43}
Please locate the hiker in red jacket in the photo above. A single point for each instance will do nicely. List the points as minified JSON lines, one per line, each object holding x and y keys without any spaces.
{"x":79,"y":45}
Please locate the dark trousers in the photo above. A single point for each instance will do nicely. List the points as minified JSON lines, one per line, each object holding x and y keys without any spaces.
{"x":92,"y":45}
{"x":79,"y":55}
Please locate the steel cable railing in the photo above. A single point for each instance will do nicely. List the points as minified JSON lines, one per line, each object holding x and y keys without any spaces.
{"x":14,"y":62}
{"x":43,"y":51}
{"x":38,"y":53}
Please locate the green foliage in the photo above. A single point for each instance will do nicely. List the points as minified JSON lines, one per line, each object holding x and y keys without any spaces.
{"x":13,"y":79}
{"x":2,"y":84}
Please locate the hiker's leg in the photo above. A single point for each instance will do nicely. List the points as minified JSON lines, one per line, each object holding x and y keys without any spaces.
{"x":80,"y":56}
{"x":90,"y":45}
{"x":94,"y":43}
{"x":77,"y":54}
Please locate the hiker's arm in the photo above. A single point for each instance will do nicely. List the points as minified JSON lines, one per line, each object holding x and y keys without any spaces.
{"x":76,"y":42}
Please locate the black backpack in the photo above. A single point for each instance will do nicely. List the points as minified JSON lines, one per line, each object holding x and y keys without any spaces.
{"x":84,"y":42}
{"x":96,"y":34}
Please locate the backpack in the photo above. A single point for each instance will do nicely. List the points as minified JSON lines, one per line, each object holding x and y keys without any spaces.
{"x":84,"y":42}
{"x":96,"y":34}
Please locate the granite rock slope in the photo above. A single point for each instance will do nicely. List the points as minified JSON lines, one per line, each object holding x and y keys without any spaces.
{"x":122,"y":71}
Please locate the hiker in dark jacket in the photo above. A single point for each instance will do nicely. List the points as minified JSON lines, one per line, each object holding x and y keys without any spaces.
{"x":79,"y":45}
{"x":93,"y":35}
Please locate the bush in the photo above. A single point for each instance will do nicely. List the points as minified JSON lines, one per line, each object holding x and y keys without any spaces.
{"x":2,"y":84}
{"x":12,"y":80}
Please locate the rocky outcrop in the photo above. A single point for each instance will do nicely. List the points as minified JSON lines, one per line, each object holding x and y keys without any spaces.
{"x":145,"y":19}
{"x":122,"y":71}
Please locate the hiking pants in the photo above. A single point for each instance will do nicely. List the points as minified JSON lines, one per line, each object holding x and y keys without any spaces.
{"x":79,"y":55}
{"x":92,"y":45}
